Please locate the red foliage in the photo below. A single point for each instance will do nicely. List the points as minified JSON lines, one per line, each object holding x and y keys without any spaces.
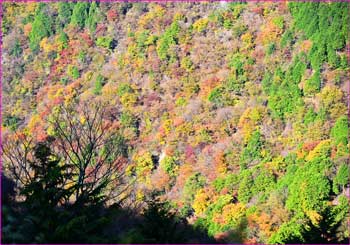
{"x":112,"y":14}
{"x":87,"y":39}
{"x":258,"y":10}
{"x":100,"y":29}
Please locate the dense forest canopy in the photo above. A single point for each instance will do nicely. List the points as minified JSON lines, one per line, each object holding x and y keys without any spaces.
{"x":209,"y":122}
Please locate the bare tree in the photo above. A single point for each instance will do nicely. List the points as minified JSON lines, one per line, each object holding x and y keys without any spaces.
{"x":17,"y":151}
{"x":86,"y":139}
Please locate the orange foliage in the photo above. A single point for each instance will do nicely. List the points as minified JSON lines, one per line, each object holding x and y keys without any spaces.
{"x":27,"y":28}
{"x":208,"y":86}
{"x":270,"y":33}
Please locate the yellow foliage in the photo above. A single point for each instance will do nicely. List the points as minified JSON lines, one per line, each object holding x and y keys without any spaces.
{"x":55,"y":92}
{"x":200,"y":25}
{"x":276,"y":164}
{"x":144,"y":165}
{"x":167,"y":125}
{"x":46,"y":46}
{"x":314,"y":217}
{"x":155,"y":12}
{"x":148,"y":124}
{"x":319,"y":150}
{"x":232,"y":213}
{"x":33,"y":123}
{"x":247,"y":38}
{"x":178,"y":16}
{"x":109,"y":91}
{"x":159,"y":10}
{"x":82,"y":119}
{"x":184,"y":129}
{"x":128,"y":99}
{"x":331,"y":99}
{"x":249,"y":121}
{"x":201,"y":201}
{"x":139,"y":196}
{"x":129,"y":170}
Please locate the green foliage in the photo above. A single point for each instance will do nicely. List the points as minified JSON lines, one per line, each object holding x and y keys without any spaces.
{"x":309,"y":190}
{"x":143,"y":40}
{"x":289,"y":232}
{"x":11,"y":122}
{"x":187,"y":64}
{"x":41,"y":27}
{"x":245,"y":186}
{"x":230,"y":182}
{"x":259,"y":151}
{"x":92,"y":17}
{"x":17,"y":49}
{"x":342,"y":178}
{"x":127,"y":120}
{"x":215,"y":95}
{"x":271,"y":48}
{"x":267,"y":83}
{"x":82,"y":56}
{"x":169,"y":164}
{"x":310,"y":116}
{"x":283,"y":90}
{"x":264,"y":182}
{"x":287,"y":38}
{"x":340,"y":131}
{"x":181,"y":101}
{"x":236,"y":63}
{"x":216,"y":208}
{"x":169,"y":38}
{"x":297,"y":70}
{"x":64,"y":13}
{"x":326,"y":25}
{"x":104,"y":42}
{"x":73,"y":72}
{"x":64,"y":80}
{"x":313,"y":85}
{"x":99,"y":83}
{"x":279,"y":21}
{"x":63,"y":38}
{"x":80,"y":14}
{"x":252,"y":150}
{"x":124,"y":88}
{"x":192,"y":185}
{"x":238,"y":77}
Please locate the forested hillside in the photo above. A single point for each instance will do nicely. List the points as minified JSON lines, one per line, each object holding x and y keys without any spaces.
{"x":175,"y":122}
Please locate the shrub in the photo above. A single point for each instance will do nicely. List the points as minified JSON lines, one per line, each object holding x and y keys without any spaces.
{"x":200,"y":25}
{"x":169,"y":165}
{"x":104,"y":42}
{"x":73,"y":72}
{"x":99,"y":83}
{"x":271,"y":48}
